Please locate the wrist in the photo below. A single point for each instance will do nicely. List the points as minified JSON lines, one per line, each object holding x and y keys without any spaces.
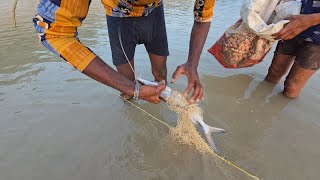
{"x":192,"y":63}
{"x":136,"y":90}
{"x":129,"y":90}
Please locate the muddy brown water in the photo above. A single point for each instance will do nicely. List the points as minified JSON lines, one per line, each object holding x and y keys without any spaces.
{"x":55,"y":123}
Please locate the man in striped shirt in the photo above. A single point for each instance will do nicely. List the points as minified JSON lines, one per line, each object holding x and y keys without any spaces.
{"x":131,"y":22}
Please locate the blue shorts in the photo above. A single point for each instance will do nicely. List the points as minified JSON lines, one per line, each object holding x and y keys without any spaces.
{"x":148,"y":30}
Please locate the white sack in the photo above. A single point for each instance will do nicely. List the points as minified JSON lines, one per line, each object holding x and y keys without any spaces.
{"x":256,"y":13}
{"x":285,"y":10}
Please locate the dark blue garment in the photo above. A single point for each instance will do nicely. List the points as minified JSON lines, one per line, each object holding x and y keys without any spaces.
{"x":148,"y":30}
{"x":313,"y":33}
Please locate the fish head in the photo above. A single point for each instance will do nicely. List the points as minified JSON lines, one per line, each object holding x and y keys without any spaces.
{"x":164,"y":95}
{"x":147,"y":82}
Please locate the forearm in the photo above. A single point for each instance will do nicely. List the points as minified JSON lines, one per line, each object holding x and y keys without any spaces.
{"x":59,"y":36}
{"x":100,"y":71}
{"x":198,"y":38}
{"x":315,"y":19}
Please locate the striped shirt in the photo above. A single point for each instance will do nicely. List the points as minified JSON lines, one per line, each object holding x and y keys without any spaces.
{"x":57,"y":21}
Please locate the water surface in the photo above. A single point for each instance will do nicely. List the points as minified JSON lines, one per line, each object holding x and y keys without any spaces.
{"x":58,"y":124}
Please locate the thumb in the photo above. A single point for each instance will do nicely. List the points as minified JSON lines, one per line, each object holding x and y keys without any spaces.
{"x":176,"y":74}
{"x":161,"y":86}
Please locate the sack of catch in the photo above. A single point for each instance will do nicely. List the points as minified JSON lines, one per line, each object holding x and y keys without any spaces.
{"x":248,"y":41}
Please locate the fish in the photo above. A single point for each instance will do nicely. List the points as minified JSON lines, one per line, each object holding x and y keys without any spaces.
{"x":196,"y":118}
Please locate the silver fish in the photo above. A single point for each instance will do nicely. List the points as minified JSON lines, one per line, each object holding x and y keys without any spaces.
{"x":195,"y":118}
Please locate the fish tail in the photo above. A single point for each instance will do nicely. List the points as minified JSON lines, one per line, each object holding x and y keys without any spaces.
{"x":208,"y":134}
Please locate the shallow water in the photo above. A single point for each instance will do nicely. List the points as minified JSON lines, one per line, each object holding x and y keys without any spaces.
{"x":58,"y":124}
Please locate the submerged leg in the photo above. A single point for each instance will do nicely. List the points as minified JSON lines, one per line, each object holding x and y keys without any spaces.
{"x":296,"y":80}
{"x":279,"y":67}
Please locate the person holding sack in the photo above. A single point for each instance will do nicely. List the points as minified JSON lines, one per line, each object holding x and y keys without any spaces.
{"x":299,"y":45}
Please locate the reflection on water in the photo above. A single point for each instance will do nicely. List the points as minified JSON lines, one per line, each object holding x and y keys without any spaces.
{"x":58,"y":124}
{"x":247,"y":115}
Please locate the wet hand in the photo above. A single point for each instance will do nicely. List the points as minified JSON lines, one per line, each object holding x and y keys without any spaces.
{"x":193,"y":81}
{"x":151,"y":93}
{"x":297,"y":25}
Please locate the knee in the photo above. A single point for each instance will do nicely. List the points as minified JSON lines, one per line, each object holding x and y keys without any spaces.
{"x":274,"y":74}
{"x":290,"y":93}
{"x":291,"y":89}
{"x":159,"y":73}
{"x":274,"y":70}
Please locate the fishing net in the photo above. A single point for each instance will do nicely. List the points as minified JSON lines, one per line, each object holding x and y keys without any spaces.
{"x":213,"y":165}
{"x":185,"y":132}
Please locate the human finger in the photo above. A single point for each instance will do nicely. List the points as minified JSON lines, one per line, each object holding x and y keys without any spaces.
{"x":176,"y":74}
{"x":188,"y":89}
{"x":195,"y":93}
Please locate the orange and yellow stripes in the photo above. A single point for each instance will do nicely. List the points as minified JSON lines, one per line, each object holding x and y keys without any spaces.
{"x":57,"y":21}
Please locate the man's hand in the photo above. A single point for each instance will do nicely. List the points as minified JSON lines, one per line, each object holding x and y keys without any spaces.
{"x":193,"y":81}
{"x":151,"y":93}
{"x":197,"y":39}
{"x":297,"y":25}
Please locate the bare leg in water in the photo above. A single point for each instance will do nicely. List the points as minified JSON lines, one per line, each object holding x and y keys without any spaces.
{"x":279,"y":67}
{"x":296,"y":78}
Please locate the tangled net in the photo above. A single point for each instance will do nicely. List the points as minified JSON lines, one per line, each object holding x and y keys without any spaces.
{"x":185,"y":131}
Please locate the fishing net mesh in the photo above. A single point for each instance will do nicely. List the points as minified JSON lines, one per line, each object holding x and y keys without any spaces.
{"x":186,"y":133}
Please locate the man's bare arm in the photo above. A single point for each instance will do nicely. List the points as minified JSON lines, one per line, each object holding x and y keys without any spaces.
{"x":100,"y":71}
{"x":198,"y":38}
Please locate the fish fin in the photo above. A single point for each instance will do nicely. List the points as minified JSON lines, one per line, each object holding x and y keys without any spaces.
{"x":215,"y":130}
{"x":211,"y":142}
